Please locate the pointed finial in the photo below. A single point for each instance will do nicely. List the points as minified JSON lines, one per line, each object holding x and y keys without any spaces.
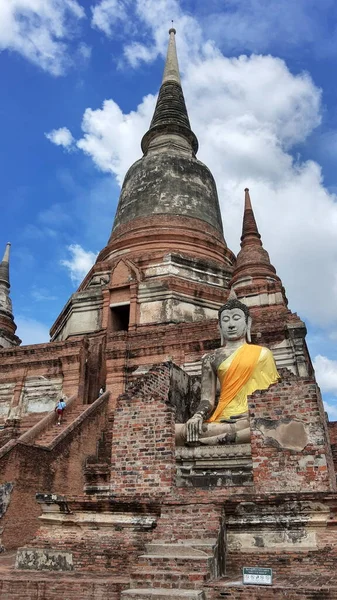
{"x":171,"y":71}
{"x":6,"y":253}
{"x":172,"y":30}
{"x":8,"y":327}
{"x":170,"y":115}
{"x":4,"y":265}
{"x":248,"y":204}
{"x":249,"y":227}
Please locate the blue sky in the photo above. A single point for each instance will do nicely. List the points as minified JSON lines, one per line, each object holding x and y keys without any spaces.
{"x":79,"y":83}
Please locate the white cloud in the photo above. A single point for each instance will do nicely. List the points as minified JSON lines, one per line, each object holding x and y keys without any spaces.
{"x":326,"y":373}
{"x":39,"y":30}
{"x":31,"y":331}
{"x":112,"y":138}
{"x":84,"y":52}
{"x":61,"y":137}
{"x":80,"y":262}
{"x":246,"y":93}
{"x":136,"y":53}
{"x":107,"y":13}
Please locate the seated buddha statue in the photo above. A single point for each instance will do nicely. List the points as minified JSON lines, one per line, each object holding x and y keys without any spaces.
{"x":242,"y":368}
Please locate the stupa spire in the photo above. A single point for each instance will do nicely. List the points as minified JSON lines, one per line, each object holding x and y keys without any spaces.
{"x":168,"y":179}
{"x":249,"y":226}
{"x":4,"y":266}
{"x":7,"y":325}
{"x":171,"y":70}
{"x":254,"y":276}
{"x":170,"y":116}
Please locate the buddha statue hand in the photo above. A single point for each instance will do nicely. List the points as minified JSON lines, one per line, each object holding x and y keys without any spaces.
{"x":194,"y":427}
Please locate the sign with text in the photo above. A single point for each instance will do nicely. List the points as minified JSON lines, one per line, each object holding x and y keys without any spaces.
{"x":257,"y":576}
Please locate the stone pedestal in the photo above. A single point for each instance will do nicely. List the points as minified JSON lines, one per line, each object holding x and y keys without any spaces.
{"x":214,"y":466}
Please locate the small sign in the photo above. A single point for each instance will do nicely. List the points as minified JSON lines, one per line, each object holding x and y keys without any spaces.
{"x":257,"y":576}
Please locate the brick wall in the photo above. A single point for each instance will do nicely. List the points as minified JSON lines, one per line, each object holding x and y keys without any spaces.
{"x":190,"y":520}
{"x":95,"y":548}
{"x":143,"y":459}
{"x":290,"y":533}
{"x":332,"y":428}
{"x":276,"y":468}
{"x":44,"y":588}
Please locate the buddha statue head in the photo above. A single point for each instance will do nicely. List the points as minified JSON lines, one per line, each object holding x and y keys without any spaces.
{"x":234,"y":320}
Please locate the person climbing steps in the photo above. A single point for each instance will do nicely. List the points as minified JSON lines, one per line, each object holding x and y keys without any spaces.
{"x":59,"y":409}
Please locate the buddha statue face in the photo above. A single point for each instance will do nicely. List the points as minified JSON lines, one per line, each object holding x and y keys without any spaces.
{"x":234,"y":321}
{"x":233,"y":324}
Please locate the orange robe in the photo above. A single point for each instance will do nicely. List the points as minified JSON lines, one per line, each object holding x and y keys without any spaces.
{"x":248,"y":369}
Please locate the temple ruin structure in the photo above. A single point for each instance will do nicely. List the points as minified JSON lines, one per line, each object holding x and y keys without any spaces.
{"x":106,"y":505}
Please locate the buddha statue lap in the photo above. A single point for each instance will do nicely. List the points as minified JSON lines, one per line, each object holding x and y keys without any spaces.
{"x":242,"y":368}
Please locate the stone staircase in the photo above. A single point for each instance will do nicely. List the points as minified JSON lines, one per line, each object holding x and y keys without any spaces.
{"x":174,"y":570}
{"x":186,"y":554}
{"x":53,"y":431}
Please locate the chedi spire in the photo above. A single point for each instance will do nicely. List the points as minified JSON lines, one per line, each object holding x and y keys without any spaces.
{"x":170,"y":115}
{"x":249,"y":227}
{"x":7,"y":325}
{"x":254,"y":277}
{"x":168,"y":179}
{"x":171,"y":70}
{"x":4,"y":266}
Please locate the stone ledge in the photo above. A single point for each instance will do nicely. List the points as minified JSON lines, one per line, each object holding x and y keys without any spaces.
{"x":159,"y":593}
{"x":78,"y":519}
{"x":213,"y":452}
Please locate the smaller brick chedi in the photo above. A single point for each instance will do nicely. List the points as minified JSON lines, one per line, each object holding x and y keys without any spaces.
{"x":7,"y":324}
{"x":109,"y":504}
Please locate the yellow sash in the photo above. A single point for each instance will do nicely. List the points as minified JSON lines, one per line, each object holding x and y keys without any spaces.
{"x":232,"y":379}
